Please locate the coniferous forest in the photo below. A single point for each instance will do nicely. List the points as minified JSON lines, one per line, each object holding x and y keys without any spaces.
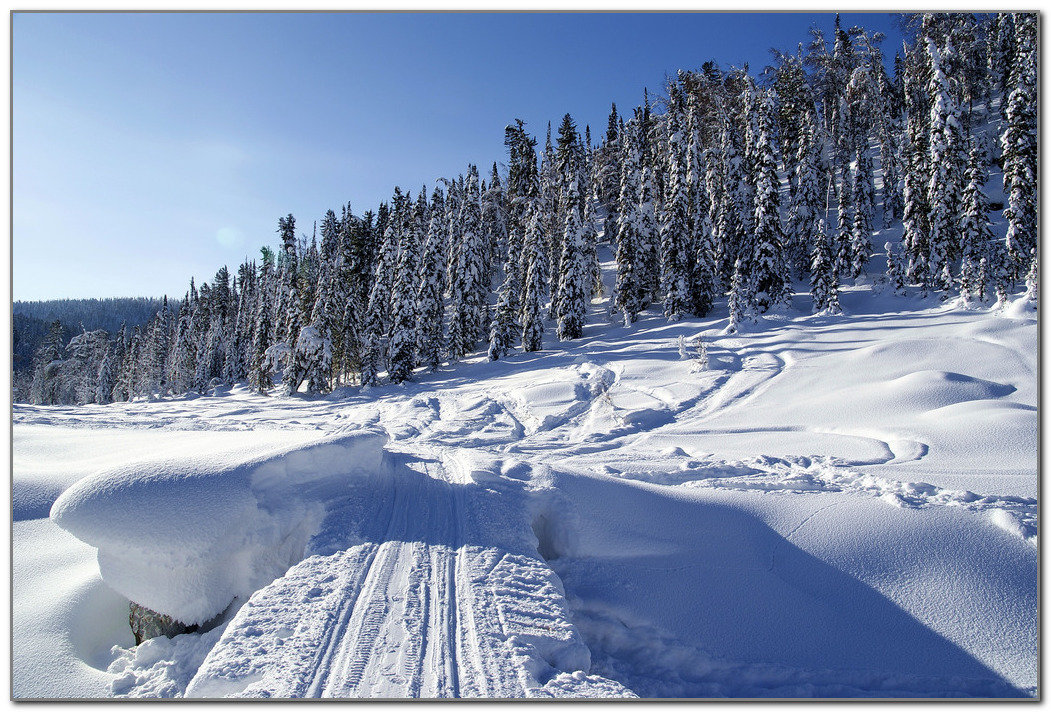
{"x":730,"y":186}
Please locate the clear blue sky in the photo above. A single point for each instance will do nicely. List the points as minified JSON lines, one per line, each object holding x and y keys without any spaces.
{"x":152,"y":147}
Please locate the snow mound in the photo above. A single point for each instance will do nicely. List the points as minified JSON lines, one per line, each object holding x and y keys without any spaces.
{"x":185,"y":537}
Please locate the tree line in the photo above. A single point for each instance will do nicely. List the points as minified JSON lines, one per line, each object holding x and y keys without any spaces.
{"x":730,"y":186}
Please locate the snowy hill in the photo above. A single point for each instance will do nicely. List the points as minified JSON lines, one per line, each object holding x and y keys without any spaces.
{"x":835,"y":506}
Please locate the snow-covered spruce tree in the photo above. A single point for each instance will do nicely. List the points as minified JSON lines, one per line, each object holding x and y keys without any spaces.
{"x":287,"y":270}
{"x":703,"y":282}
{"x":647,"y":233}
{"x":824,"y":287}
{"x":568,"y":167}
{"x":861,"y":225}
{"x":862,"y":106}
{"x":469,"y":290}
{"x":608,"y":178}
{"x":295,"y":370}
{"x":732,"y":239}
{"x":740,"y":299}
{"x":313,"y":359}
{"x":259,"y":378}
{"x":551,"y":216}
{"x":895,"y":269}
{"x":768,"y":270}
{"x":589,"y":229}
{"x":431,"y":344}
{"x":1019,"y":145}
{"x":915,"y":234}
{"x":915,"y":238}
{"x":1032,"y":285}
{"x":976,"y":231}
{"x":494,"y":222}
{"x":522,"y":191}
{"x":675,"y":228}
{"x":533,"y":299}
{"x":627,"y":293}
{"x":44,"y":388}
{"x":575,"y":280}
{"x":503,"y":328}
{"x":354,"y":284}
{"x":377,"y":314}
{"x":120,"y":350}
{"x":944,"y":187}
{"x":807,"y":204}
{"x":403,"y":331}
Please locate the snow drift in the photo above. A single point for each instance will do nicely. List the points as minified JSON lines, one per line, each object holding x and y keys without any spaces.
{"x":186,"y":537}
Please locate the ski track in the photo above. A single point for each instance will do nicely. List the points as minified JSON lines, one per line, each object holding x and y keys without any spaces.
{"x":417,"y":611}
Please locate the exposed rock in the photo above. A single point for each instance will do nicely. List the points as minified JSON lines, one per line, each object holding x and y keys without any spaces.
{"x":146,"y":624}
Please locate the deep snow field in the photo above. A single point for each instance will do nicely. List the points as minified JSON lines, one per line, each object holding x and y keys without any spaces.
{"x":837,"y":506}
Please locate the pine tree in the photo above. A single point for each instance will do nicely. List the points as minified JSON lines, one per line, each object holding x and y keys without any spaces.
{"x":494,"y":221}
{"x":1032,"y":285}
{"x":403,"y":330}
{"x":768,"y":269}
{"x":44,"y":388}
{"x":806,"y":208}
{"x":259,"y":377}
{"x":675,"y":229}
{"x":946,"y":141}
{"x":431,"y":344}
{"x":533,"y":299}
{"x":575,"y":280}
{"x":468,"y":289}
{"x":627,"y":294}
{"x":977,"y":234}
{"x":740,"y":297}
{"x":895,"y":270}
{"x":1019,"y":145}
{"x":824,"y":287}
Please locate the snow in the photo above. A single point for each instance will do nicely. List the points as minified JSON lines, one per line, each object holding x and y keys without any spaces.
{"x":836,"y":506}
{"x":187,"y":536}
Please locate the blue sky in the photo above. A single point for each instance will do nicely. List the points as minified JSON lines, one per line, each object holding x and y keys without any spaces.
{"x":152,"y":147}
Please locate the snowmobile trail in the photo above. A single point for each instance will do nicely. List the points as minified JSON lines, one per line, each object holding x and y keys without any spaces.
{"x":424,"y":607}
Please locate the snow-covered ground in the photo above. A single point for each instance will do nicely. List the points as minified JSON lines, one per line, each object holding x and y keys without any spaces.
{"x":835,"y":506}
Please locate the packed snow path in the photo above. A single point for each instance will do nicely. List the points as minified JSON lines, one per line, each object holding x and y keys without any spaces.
{"x":421,"y":608}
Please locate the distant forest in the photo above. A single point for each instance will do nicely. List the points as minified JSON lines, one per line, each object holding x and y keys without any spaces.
{"x":32,"y":320}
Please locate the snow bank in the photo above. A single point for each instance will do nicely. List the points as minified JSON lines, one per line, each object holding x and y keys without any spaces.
{"x":186,"y":536}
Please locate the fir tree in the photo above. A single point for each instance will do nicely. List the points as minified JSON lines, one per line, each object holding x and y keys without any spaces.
{"x":895,"y":271}
{"x":533,"y":298}
{"x":431,"y":287}
{"x":674,"y":229}
{"x":824,"y":287}
{"x":1019,"y":145}
{"x":768,"y":269}
{"x":976,"y":231}
{"x":944,"y":188}
{"x":575,"y":280}
{"x":627,"y":294}
{"x":403,"y":330}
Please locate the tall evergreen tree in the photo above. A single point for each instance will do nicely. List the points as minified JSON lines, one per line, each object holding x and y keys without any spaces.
{"x":1019,"y":145}
{"x":533,"y":298}
{"x":431,"y":306}
{"x":675,"y":229}
{"x":627,"y":294}
{"x":768,"y":269}
{"x":575,"y":279}
{"x":945,"y":185}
